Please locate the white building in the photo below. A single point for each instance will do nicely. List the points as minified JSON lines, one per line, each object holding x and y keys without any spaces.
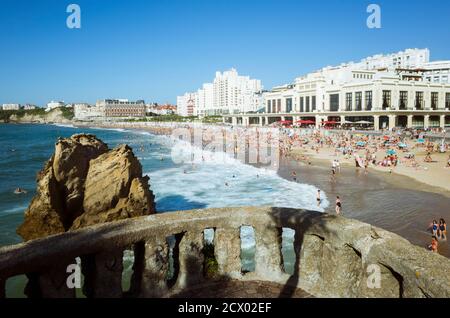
{"x":437,"y":72}
{"x":54,"y":104}
{"x":187,"y":104}
{"x":84,"y":111}
{"x":384,"y":97}
{"x":29,"y":107}
{"x":229,"y":93}
{"x":410,"y":58}
{"x":11,"y":106}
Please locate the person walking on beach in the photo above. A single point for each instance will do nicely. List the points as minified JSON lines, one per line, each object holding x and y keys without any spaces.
{"x":338,"y":205}
{"x":442,"y":233}
{"x":434,"y":228}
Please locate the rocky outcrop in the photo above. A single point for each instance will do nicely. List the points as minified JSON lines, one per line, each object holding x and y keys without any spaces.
{"x":54,"y":116}
{"x":84,"y":183}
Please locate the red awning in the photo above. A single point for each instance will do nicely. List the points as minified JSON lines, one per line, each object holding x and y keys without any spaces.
{"x":330,"y":122}
{"x":285,"y":122}
{"x":307,"y":122}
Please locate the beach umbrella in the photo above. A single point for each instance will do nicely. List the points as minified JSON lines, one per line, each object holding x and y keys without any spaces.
{"x":361,"y":143}
{"x":420,"y":140}
{"x":391,"y":152}
{"x":386,"y":137}
{"x":402,"y":145}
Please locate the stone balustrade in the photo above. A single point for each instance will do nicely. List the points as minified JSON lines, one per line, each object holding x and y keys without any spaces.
{"x":334,"y":256}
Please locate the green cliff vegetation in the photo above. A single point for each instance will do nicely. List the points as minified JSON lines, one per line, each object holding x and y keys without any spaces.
{"x":5,"y":115}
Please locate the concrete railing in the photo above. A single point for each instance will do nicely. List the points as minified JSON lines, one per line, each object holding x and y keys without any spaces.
{"x":334,"y":256}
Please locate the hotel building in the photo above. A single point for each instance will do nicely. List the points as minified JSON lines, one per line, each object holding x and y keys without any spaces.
{"x":229,"y":93}
{"x":375,"y":90}
{"x":121,"y":108}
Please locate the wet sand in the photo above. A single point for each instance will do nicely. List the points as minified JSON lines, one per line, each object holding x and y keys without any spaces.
{"x":393,"y":202}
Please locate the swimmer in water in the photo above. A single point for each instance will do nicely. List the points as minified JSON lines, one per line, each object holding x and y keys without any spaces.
{"x":294,"y":175}
{"x":338,"y":205}
{"x":226,"y":184}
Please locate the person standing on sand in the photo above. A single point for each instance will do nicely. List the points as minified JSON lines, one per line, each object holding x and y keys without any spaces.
{"x":338,"y":205}
{"x":442,"y":231}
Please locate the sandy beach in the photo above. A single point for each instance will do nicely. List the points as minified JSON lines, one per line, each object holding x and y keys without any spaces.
{"x":435,"y":176}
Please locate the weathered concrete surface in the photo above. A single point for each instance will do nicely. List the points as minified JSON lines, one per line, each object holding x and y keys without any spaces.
{"x":83,"y":184}
{"x":333,"y":253}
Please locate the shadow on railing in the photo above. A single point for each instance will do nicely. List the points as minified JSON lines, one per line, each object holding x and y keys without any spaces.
{"x":332,"y":256}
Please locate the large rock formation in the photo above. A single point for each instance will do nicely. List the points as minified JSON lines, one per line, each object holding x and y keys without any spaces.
{"x":85,"y":183}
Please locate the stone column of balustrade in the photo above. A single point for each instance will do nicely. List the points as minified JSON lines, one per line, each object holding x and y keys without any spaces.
{"x":103,"y":276}
{"x":190,"y":259}
{"x":2,"y":288}
{"x":268,"y":258}
{"x":227,"y":249}
{"x":156,"y":266}
{"x":53,"y":282}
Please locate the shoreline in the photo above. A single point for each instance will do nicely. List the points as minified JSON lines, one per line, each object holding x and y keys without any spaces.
{"x":429,"y":180}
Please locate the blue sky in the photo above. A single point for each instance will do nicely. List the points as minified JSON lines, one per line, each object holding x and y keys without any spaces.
{"x":156,"y":50}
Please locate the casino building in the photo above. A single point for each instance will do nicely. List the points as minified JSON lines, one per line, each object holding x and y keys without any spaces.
{"x":383,"y":91}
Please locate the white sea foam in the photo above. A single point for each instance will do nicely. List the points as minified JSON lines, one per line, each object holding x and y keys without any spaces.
{"x":65,"y":125}
{"x":205,"y":183}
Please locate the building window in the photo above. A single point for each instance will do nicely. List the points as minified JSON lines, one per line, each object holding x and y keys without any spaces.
{"x":288,"y":105}
{"x":307,"y":104}
{"x":403,"y":103}
{"x":369,"y":100}
{"x":302,"y":106}
{"x":358,"y":101}
{"x":348,"y":101}
{"x":334,"y":102}
{"x":419,"y":100}
{"x":313,"y":103}
{"x":268,"y":106}
{"x":447,"y":101}
{"x":279,"y":106}
{"x":386,"y":100}
{"x":434,"y":100}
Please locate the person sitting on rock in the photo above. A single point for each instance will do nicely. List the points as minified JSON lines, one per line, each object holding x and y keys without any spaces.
{"x":434,"y":245}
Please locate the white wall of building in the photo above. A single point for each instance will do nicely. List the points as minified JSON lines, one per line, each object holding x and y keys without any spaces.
{"x":54,"y":104}
{"x":228,"y":93}
{"x":11,"y":106}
